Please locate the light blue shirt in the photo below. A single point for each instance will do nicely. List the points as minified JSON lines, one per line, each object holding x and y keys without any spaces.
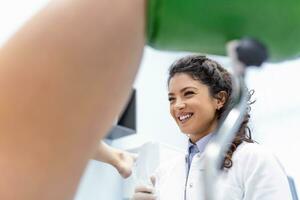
{"x":195,"y":148}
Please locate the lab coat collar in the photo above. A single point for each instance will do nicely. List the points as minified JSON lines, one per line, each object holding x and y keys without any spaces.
{"x":201,"y":144}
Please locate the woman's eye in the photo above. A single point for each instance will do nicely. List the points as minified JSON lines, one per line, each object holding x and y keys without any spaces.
{"x":188,"y":93}
{"x":171,"y":99}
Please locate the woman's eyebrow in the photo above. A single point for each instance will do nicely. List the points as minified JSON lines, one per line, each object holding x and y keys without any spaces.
{"x":182,"y":90}
{"x":186,"y":88}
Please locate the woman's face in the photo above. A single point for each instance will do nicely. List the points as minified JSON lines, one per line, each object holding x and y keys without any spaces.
{"x":192,"y":106}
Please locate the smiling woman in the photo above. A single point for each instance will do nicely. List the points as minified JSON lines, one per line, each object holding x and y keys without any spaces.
{"x":209,"y":96}
{"x":192,"y":107}
{"x":200,"y":95}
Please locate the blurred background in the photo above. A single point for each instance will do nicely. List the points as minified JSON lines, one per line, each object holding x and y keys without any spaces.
{"x":274,"y":116}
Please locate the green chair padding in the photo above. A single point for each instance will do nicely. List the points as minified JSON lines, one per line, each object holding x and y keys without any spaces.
{"x":207,"y":25}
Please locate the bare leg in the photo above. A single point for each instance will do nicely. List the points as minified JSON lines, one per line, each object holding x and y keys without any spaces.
{"x":68,"y":67}
{"x":121,"y":160}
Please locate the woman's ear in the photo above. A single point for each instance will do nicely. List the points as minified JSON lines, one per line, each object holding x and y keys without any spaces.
{"x":221,"y":99}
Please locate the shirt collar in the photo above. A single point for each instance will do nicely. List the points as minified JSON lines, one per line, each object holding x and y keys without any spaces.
{"x":201,"y":144}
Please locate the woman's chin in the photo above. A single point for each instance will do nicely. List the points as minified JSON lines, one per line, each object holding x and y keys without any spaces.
{"x":187,"y":133}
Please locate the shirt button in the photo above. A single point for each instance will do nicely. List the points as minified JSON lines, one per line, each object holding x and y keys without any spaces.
{"x":191,"y":185}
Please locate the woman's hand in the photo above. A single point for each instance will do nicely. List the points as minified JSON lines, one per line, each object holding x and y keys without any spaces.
{"x":145,"y":192}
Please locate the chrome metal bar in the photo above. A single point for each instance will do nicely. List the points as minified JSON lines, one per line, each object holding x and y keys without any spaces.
{"x":216,"y":149}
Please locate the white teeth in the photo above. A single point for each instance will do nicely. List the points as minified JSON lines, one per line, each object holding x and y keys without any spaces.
{"x":181,"y":118}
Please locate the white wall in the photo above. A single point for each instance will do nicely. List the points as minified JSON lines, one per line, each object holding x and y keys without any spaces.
{"x":276,"y":113}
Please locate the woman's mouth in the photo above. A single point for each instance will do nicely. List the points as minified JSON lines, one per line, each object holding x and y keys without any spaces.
{"x":184,"y":117}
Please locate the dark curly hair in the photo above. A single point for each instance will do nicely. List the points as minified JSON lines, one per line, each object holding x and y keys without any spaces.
{"x":218,"y":79}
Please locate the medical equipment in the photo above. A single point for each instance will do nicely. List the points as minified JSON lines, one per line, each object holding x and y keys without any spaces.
{"x":247,"y":52}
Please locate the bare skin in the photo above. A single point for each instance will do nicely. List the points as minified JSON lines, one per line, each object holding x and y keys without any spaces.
{"x":69,"y":66}
{"x":121,"y":160}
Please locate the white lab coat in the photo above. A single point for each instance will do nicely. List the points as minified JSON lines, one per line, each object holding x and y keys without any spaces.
{"x":256,"y":174}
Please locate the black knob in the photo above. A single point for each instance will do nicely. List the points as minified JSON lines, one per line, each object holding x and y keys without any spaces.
{"x":251,"y":52}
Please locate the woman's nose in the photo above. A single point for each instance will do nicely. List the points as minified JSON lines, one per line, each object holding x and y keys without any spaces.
{"x":180,"y":105}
